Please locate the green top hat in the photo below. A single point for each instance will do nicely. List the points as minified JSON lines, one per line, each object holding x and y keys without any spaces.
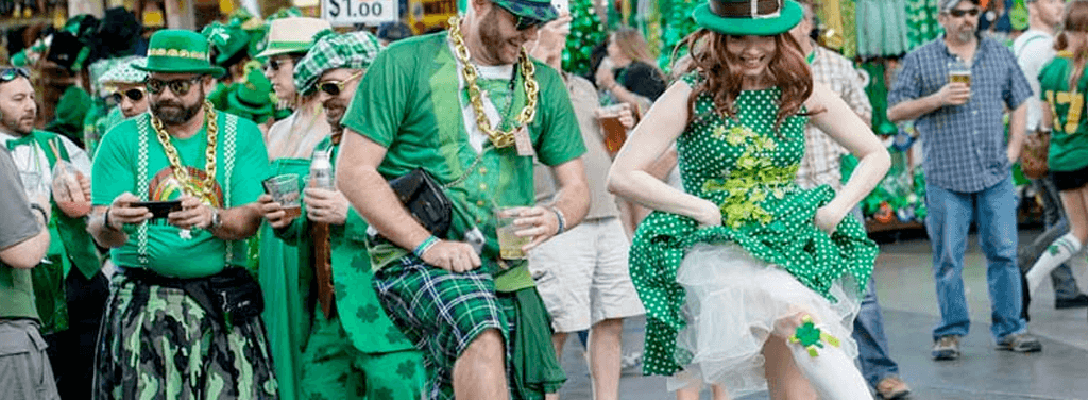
{"x":748,"y":17}
{"x":173,"y":50}
{"x":537,"y":9}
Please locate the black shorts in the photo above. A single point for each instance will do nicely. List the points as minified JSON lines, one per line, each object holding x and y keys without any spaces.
{"x":1069,"y":180}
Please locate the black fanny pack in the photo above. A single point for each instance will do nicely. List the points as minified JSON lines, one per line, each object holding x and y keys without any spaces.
{"x":425,"y":200}
{"x":232,"y":295}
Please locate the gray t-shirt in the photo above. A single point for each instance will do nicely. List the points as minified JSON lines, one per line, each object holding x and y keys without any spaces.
{"x":18,"y":225}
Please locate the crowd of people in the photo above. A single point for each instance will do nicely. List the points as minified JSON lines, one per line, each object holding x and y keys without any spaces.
{"x":278,"y":210}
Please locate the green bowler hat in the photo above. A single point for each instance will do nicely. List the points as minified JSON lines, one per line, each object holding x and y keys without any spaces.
{"x":174,"y":50}
{"x":542,"y":10}
{"x":748,"y":17}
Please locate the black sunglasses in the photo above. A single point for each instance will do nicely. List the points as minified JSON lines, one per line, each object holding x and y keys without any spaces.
{"x":333,"y":88}
{"x":135,"y":94}
{"x":959,"y":13}
{"x":275,"y":65}
{"x":10,"y":74}
{"x":180,"y":87}
{"x":522,"y":23}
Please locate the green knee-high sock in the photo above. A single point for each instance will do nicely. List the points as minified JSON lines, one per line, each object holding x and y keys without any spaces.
{"x":1059,"y":252}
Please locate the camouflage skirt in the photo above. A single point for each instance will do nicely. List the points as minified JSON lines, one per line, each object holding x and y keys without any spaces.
{"x":158,"y":343}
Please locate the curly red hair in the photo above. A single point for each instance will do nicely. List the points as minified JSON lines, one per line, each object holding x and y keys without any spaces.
{"x":788,"y":71}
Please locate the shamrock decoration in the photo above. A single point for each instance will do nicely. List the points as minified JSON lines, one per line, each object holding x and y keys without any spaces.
{"x":809,"y":336}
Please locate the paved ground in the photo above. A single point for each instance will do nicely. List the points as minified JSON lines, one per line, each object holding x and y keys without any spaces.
{"x":905,"y":287}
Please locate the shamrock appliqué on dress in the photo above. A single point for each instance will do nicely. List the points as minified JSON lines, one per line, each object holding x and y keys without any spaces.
{"x":809,"y":336}
{"x":754,"y":179}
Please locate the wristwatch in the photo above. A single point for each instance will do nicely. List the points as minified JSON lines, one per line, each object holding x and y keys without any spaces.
{"x":216,"y":221}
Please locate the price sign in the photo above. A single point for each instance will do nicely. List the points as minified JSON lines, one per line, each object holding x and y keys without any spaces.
{"x":348,"y":12}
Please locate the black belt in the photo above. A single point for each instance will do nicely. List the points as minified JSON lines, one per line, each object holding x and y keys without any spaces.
{"x":232,"y":295}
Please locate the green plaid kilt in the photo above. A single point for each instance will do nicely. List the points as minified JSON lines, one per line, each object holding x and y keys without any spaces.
{"x":157,"y":343}
{"x":442,"y":312}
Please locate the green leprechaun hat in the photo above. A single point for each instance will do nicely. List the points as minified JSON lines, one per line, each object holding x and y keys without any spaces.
{"x":252,"y":98}
{"x":542,"y":10}
{"x":174,"y":50}
{"x":748,"y":17}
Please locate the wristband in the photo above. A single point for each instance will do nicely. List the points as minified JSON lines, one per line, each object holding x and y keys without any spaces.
{"x":562,"y":221}
{"x":426,"y":245}
{"x":38,"y":207}
{"x":106,"y":221}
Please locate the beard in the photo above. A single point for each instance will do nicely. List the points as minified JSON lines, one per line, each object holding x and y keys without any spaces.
{"x":22,"y":125}
{"x":493,"y":41}
{"x":334,"y":111}
{"x":174,"y":112}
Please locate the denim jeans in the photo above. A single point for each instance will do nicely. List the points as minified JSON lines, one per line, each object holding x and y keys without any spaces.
{"x":876,"y":363}
{"x":950,"y":216}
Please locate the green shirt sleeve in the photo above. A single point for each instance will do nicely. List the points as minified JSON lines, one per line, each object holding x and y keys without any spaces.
{"x":112,"y":172}
{"x":251,"y":166}
{"x":560,"y":138}
{"x":380,"y":102}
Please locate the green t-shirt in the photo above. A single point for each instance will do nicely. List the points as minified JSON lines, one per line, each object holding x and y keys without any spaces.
{"x":1069,"y":139}
{"x":408,"y":103}
{"x":115,"y":171}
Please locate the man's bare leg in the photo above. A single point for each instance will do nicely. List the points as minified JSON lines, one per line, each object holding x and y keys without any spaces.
{"x":558,"y":340}
{"x":605,"y":350}
{"x":480,"y":372}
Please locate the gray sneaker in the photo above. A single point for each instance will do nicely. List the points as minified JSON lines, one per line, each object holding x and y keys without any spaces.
{"x":1020,"y":343}
{"x":946,"y":348}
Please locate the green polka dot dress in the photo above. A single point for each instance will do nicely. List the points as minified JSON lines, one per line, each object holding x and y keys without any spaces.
{"x":748,"y":169}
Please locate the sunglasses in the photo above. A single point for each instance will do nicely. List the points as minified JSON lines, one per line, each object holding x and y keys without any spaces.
{"x":960,"y":13}
{"x":135,"y":94}
{"x":522,"y":23}
{"x":333,"y":88}
{"x":9,"y":74}
{"x":275,"y":65}
{"x":180,"y":87}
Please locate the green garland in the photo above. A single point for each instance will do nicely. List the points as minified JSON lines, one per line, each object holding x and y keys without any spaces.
{"x":585,"y":33}
{"x":676,"y":24}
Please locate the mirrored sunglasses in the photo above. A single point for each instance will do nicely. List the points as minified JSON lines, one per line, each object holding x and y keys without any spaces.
{"x":9,"y":74}
{"x":180,"y":87}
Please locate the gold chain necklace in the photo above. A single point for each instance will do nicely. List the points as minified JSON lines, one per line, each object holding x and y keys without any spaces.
{"x":181,"y":173}
{"x":499,"y":138}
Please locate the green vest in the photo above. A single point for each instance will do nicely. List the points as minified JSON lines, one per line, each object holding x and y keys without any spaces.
{"x":70,"y":246}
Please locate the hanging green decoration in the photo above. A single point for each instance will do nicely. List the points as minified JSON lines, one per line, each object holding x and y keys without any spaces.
{"x":585,"y":33}
{"x":676,"y":24}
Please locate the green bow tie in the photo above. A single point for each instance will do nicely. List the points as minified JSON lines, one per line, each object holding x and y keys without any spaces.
{"x":20,"y":141}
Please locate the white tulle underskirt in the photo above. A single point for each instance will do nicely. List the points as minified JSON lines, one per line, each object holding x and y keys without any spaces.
{"x":733,"y":301}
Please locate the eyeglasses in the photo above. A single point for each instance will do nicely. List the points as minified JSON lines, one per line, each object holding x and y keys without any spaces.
{"x":180,"y":87}
{"x":333,"y":88}
{"x":960,"y":13}
{"x":10,"y":74}
{"x":135,"y":94}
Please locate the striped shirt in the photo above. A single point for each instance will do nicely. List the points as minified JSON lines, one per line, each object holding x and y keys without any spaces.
{"x":964,"y":146}
{"x":820,"y":165}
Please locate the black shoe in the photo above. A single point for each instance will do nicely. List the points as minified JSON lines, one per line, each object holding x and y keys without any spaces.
{"x":1081,"y":301}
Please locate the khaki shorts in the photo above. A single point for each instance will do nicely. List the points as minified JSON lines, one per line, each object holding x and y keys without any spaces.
{"x":582,"y":275}
{"x":25,"y":373}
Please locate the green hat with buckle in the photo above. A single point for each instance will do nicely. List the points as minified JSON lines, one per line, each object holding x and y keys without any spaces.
{"x":174,"y":50}
{"x":748,"y":17}
{"x":542,"y":10}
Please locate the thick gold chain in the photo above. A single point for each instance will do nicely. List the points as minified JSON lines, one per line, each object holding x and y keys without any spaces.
{"x":181,"y":174}
{"x":499,"y":138}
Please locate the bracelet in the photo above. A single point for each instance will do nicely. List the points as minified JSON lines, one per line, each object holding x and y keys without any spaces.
{"x":38,"y":207}
{"x":429,"y":242}
{"x":562,"y":221}
{"x":106,"y":221}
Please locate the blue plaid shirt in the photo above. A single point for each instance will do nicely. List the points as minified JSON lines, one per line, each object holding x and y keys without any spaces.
{"x":964,"y":146}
